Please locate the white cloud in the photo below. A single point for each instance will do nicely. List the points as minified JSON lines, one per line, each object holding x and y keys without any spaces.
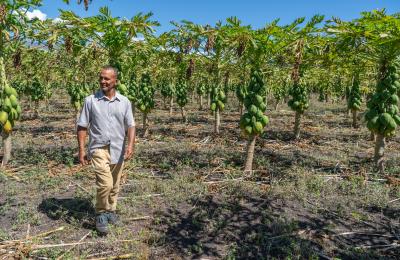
{"x":58,"y":20}
{"x":36,"y":14}
{"x":138,"y":39}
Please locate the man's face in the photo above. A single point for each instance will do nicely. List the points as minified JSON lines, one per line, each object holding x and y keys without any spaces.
{"x":108,"y":80}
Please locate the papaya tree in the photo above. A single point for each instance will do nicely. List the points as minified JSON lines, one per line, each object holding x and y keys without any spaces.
{"x":201,"y":90}
{"x":379,"y":33}
{"x":354,"y":99}
{"x":299,"y":102}
{"x":113,"y":34}
{"x":78,"y":92}
{"x":182,"y":99}
{"x":253,"y":120}
{"x":218,"y":100}
{"x":14,"y":25}
{"x":145,"y":100}
{"x":214,"y":48}
{"x":167,"y":92}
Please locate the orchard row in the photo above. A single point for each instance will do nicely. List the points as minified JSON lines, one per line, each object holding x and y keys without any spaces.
{"x":333,"y":58}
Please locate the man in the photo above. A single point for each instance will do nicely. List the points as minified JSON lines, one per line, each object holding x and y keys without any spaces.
{"x":107,"y":115}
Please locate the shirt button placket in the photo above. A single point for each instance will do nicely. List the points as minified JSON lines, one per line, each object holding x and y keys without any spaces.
{"x":109,"y":121}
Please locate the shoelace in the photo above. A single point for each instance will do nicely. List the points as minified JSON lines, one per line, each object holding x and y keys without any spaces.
{"x":102,"y":219}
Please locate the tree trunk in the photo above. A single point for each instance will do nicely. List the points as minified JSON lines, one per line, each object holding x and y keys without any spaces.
{"x":193,"y":96}
{"x":36,"y":109}
{"x":297,"y":120}
{"x":77,"y":114}
{"x":276,"y":105}
{"x":348,"y":112}
{"x":145,"y":125}
{"x":183,"y":112}
{"x":373,"y":136}
{"x":209,"y":99}
{"x":266,"y":99}
{"x":217,"y":121}
{"x":354,"y":112}
{"x":250,"y":154}
{"x":241,"y":108}
{"x":201,"y":102}
{"x":379,"y":153}
{"x":165,"y":103}
{"x":133,"y":110}
{"x":6,"y":148}
{"x":47,"y":104}
{"x":171,"y":105}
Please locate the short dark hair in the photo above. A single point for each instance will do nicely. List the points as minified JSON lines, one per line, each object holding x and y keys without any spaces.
{"x":109,"y":67}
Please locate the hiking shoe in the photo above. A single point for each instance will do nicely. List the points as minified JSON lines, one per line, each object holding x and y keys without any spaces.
{"x":112,"y":217}
{"x":102,"y":223}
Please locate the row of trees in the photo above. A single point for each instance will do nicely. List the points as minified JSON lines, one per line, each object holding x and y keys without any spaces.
{"x":334,"y":59}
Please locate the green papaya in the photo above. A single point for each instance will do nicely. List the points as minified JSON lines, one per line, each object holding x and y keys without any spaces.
{"x":222,"y":95}
{"x":385,"y":119}
{"x":259,"y":100}
{"x":14,"y":101}
{"x":14,"y":92}
{"x":394,"y":99}
{"x":13,"y":115}
{"x":3,"y":117}
{"x":213,"y":106}
{"x":221,"y":105}
{"x":8,"y":90}
{"x":373,"y":124}
{"x":262,"y":107}
{"x":253,"y":109}
{"x":396,"y":118}
{"x":7,"y":104}
{"x":264,"y":120}
{"x":248,"y":130}
{"x":258,"y":127}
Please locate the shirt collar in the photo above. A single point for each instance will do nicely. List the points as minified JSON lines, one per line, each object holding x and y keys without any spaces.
{"x":100,"y":95}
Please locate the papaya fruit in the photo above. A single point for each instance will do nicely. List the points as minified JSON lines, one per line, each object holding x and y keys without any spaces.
{"x":3,"y":117}
{"x":7,"y":127}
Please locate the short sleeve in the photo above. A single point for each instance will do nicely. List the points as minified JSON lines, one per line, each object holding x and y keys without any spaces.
{"x":129,"y":119}
{"x":84,"y":118}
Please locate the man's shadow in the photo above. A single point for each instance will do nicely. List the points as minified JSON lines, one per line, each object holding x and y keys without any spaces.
{"x":78,"y":211}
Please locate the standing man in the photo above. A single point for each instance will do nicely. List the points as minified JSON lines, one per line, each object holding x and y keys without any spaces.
{"x":107,"y":115}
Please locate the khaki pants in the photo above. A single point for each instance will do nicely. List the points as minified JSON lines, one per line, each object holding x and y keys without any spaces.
{"x":107,"y":179}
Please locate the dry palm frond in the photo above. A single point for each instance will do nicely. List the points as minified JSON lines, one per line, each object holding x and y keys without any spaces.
{"x":190,"y":69}
{"x":17,"y":59}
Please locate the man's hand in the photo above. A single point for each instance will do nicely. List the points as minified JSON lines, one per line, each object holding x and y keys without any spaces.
{"x":83,"y":158}
{"x":82,"y":132}
{"x":131,"y":143}
{"x":128,"y":153}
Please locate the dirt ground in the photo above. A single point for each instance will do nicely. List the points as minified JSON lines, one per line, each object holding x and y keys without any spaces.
{"x":187,"y":198}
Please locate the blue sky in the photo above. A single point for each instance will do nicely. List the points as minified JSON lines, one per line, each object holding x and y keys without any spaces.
{"x":254,"y":12}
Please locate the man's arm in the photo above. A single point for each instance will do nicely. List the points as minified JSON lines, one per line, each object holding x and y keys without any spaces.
{"x":82,"y":133}
{"x":131,"y":143}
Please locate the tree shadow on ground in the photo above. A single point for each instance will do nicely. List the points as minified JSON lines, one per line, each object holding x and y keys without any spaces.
{"x":71,"y":210}
{"x":37,"y":131}
{"x":41,"y":155}
{"x":169,"y":158}
{"x":259,"y":228}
